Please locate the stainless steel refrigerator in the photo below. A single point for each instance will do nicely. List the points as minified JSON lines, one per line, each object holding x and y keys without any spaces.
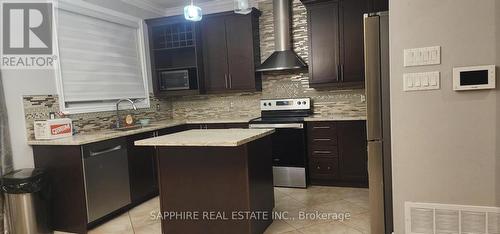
{"x":376,"y":30}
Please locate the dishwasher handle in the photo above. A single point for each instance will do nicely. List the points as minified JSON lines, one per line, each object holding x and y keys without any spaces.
{"x":108,"y":150}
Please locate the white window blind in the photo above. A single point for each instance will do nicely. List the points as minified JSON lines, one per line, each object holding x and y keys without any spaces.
{"x":100,"y":62}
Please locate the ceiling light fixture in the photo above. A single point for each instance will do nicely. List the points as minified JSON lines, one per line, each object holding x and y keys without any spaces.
{"x":192,"y":12}
{"x":242,"y":7}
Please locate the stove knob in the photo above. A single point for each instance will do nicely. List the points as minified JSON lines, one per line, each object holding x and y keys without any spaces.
{"x":298,"y":103}
{"x":304,"y":102}
{"x":270,"y":104}
{"x":265,"y":104}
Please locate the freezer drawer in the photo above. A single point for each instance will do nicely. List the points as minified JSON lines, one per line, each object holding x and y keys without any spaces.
{"x":106,"y":178}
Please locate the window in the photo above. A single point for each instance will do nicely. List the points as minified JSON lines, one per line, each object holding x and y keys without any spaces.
{"x":101,"y":59}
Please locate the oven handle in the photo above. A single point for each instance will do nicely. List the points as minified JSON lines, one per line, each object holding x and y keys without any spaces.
{"x":283,"y":125}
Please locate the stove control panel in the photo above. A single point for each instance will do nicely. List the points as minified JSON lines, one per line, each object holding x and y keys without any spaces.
{"x":285,"y":104}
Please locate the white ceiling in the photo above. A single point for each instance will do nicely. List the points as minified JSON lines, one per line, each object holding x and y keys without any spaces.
{"x":175,"y":3}
{"x":146,"y":9}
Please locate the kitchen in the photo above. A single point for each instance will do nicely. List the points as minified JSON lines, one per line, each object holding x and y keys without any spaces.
{"x":260,"y":108}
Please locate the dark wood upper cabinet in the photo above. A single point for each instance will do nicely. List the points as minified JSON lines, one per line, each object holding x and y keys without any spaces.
{"x":380,"y":5}
{"x":215,"y":57}
{"x":336,"y":46}
{"x":324,"y":46}
{"x":175,"y":44}
{"x":229,"y":52}
{"x":353,"y":69}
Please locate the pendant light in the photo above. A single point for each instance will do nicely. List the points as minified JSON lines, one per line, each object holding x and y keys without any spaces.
{"x":242,"y":7}
{"x":192,"y":12}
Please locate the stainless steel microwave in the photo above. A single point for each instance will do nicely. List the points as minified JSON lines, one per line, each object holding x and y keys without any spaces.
{"x":174,"y":80}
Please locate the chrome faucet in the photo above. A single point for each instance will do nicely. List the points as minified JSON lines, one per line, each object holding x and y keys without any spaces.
{"x":118,"y":125}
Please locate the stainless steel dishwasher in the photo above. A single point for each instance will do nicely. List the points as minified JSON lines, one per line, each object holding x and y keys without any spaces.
{"x":106,"y":177}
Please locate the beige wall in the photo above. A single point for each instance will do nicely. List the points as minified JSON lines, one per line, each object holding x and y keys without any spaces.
{"x":445,"y":143}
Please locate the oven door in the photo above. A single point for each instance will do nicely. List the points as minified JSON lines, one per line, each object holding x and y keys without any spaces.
{"x":289,"y":154}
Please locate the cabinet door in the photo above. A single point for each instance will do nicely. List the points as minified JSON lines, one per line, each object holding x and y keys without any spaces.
{"x":171,"y":130}
{"x":142,"y":169}
{"x":215,"y":54}
{"x":353,"y":151}
{"x":353,"y":65}
{"x":324,"y":42}
{"x":240,"y":52}
{"x":380,"y":5}
{"x":215,"y":126}
{"x":237,"y":125}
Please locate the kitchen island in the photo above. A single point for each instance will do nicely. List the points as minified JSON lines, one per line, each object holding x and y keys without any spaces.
{"x":215,"y":180}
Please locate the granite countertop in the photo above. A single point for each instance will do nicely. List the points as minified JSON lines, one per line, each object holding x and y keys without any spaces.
{"x":87,"y":138}
{"x":207,"y":137}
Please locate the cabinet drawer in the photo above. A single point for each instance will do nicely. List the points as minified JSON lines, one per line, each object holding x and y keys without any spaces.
{"x":326,"y":151}
{"x":323,"y":168}
{"x":322,"y":130}
{"x":323,"y":141}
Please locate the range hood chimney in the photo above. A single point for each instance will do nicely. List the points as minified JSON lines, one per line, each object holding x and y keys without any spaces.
{"x":283,"y":58}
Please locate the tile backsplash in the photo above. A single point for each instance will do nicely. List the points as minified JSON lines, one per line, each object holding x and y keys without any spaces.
{"x":39,"y":108}
{"x":341,"y":103}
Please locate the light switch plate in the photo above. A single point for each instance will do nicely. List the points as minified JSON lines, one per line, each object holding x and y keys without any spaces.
{"x":421,"y":81}
{"x":422,"y":56}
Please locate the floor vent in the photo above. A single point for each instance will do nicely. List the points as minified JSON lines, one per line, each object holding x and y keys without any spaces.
{"x":428,"y":218}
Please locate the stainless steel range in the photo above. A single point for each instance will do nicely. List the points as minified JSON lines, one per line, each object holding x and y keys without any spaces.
{"x":286,"y":116}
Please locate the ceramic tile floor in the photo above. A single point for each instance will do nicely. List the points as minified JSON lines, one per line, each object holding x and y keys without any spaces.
{"x":328,"y":200}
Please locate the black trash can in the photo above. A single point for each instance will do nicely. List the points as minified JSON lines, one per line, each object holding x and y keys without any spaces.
{"x":27,"y":201}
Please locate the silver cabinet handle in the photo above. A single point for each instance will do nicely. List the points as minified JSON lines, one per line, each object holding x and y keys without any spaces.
{"x":230,"y":81}
{"x":322,"y":139}
{"x":116,"y":148}
{"x":342,"y":72}
{"x":322,"y":152}
{"x":289,"y":125}
{"x":225,"y":79}
{"x":322,"y":127}
{"x":329,"y":168}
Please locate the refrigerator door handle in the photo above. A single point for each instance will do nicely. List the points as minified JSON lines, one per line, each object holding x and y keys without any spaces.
{"x":373,"y":76}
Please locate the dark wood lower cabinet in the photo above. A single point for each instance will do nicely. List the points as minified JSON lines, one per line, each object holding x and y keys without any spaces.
{"x":64,"y":168}
{"x":221,"y":180}
{"x":142,"y":169}
{"x":353,"y":151}
{"x":338,"y":153}
{"x":216,"y":126}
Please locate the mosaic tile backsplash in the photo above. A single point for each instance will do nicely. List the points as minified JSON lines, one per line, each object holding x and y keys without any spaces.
{"x":39,"y":108}
{"x":341,"y":103}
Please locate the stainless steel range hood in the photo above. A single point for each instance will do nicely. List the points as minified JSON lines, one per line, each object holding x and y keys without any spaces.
{"x":283,"y":58}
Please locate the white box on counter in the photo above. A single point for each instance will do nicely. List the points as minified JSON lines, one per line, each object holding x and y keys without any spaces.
{"x":53,"y":129}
